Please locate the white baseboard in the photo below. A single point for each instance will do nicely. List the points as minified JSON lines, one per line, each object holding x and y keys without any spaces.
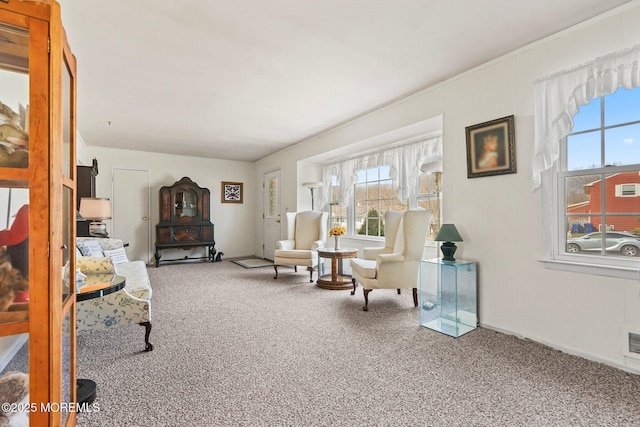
{"x":627,"y":368}
{"x":9,"y":346}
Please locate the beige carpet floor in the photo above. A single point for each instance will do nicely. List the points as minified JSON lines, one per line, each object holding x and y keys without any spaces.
{"x":234,"y":347}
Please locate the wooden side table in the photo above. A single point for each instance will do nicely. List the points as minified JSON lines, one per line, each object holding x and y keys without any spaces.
{"x":336,"y":280}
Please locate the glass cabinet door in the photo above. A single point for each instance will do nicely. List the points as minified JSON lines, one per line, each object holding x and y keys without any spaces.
{"x":186,"y":203}
{"x":14,"y":198}
{"x":67,"y":314}
{"x":37,"y":212}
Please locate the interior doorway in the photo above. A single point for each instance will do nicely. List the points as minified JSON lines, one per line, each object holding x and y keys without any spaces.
{"x":130,"y":195}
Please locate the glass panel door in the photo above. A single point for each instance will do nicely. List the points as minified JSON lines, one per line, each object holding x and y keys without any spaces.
{"x":14,"y":204}
{"x":14,"y":96}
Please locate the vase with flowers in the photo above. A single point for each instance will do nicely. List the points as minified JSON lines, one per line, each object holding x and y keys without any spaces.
{"x":336,"y":232}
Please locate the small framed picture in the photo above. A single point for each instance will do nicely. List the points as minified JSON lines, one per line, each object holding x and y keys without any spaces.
{"x":231,"y":192}
{"x":491,"y":148}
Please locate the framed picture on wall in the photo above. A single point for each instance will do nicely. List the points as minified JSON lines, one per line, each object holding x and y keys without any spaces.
{"x":491,"y":148}
{"x":231,"y":192}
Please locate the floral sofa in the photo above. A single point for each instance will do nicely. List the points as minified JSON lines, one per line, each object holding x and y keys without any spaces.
{"x":130,"y":305}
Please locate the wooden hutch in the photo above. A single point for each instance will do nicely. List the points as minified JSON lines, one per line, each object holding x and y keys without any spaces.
{"x":37,"y":178}
{"x":185,"y":220}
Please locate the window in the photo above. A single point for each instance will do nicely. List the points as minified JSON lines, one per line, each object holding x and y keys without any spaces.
{"x":374,"y":195}
{"x":587,"y":122}
{"x":337,"y":214}
{"x":361,"y":190}
{"x":430,"y":197}
{"x":599,"y":176}
{"x":627,"y":190}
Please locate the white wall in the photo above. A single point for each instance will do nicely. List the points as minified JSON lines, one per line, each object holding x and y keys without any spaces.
{"x":499,"y":216}
{"x":234,"y":225}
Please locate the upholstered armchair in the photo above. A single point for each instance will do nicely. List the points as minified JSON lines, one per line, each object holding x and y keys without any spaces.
{"x":399,"y":269}
{"x":306,"y":232}
{"x":392,"y":221}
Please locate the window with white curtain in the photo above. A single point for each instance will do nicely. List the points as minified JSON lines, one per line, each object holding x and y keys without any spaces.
{"x":359,"y":191}
{"x":587,"y":157}
{"x":599,"y":174}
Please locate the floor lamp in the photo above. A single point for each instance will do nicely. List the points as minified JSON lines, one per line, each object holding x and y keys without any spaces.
{"x":433,"y":165}
{"x":312,"y":186}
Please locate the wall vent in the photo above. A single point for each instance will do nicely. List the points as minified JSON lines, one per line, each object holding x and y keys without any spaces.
{"x":634,"y":343}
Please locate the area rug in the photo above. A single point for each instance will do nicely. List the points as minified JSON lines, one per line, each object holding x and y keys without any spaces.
{"x":253,"y":262}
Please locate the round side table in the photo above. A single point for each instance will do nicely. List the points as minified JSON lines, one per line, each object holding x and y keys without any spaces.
{"x":336,"y":280}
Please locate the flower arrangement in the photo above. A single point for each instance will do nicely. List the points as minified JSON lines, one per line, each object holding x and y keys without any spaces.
{"x":338,"y":231}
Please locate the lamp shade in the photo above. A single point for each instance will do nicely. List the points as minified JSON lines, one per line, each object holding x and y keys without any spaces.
{"x":448,"y":233}
{"x":312,"y":184}
{"x":432,"y":164}
{"x":95,"y":209}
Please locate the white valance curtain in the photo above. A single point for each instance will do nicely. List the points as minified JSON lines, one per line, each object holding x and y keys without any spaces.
{"x":558,"y":97}
{"x":404,"y":162}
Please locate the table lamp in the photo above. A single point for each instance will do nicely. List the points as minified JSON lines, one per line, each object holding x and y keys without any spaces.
{"x":96,"y":210}
{"x":448,"y":234}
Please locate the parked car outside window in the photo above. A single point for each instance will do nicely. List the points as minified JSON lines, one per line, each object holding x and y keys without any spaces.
{"x":627,"y":244}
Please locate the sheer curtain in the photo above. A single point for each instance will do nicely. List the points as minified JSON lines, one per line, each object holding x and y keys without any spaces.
{"x":404,"y":162}
{"x":558,"y":97}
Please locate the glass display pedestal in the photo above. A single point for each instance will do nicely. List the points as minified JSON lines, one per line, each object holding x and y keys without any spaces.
{"x":448,"y":296}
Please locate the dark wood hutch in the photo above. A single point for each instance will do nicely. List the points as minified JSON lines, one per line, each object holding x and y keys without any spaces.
{"x":185,"y":220}
{"x":86,"y":187}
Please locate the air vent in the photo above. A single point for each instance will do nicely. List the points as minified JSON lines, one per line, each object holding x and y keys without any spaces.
{"x":634,"y":343}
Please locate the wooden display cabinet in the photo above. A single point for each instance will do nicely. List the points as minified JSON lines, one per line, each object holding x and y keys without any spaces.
{"x":185,"y":220}
{"x":38,"y":192}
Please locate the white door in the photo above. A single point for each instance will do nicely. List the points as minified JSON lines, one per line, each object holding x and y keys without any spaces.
{"x":131,"y":211}
{"x":271,"y":213}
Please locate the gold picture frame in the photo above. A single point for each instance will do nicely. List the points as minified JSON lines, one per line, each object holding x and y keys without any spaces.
{"x":491,"y":148}
{"x":232,"y":192}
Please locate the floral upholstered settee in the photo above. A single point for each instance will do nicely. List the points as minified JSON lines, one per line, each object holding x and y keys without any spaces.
{"x":130,"y":305}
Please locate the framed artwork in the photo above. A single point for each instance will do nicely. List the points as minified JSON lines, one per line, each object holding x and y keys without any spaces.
{"x":491,"y":148}
{"x":231,"y":192}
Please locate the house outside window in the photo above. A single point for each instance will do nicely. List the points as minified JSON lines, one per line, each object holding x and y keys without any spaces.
{"x":599,"y":176}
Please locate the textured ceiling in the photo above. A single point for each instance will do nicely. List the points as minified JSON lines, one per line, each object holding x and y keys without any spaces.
{"x":241,"y":79}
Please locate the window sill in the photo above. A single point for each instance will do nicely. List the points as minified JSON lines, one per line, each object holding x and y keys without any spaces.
{"x":620,"y":272}
{"x":371,"y":239}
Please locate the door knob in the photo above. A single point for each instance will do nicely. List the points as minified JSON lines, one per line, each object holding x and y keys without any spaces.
{"x":145,"y":218}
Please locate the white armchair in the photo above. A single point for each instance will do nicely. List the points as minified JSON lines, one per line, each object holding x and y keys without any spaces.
{"x":392,"y":221}
{"x":306,"y":232}
{"x":399,"y":269}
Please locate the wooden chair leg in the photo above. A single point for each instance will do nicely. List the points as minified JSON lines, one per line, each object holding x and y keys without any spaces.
{"x":355,"y":285}
{"x":310,"y":274}
{"x":275,"y":267}
{"x":366,"y":299}
{"x":399,"y":292}
{"x":147,"y":345}
{"x":415,"y":297}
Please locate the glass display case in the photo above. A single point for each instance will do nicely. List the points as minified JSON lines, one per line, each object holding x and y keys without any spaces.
{"x":37,"y":197}
{"x":448,"y":296}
